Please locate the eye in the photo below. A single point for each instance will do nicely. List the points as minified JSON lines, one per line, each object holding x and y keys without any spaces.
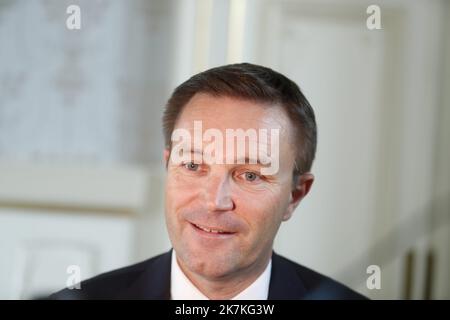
{"x":191,"y":166}
{"x":250,"y":176}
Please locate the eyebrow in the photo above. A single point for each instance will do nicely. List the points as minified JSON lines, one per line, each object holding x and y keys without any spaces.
{"x":247,"y":161}
{"x":238,"y":161}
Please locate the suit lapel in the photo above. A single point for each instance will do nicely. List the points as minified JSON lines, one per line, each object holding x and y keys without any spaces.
{"x":154,"y":282}
{"x":285,"y":283}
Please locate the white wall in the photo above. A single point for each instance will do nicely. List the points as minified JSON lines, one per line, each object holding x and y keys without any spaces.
{"x":79,"y":125}
{"x":440,"y":224}
{"x":93,"y":95}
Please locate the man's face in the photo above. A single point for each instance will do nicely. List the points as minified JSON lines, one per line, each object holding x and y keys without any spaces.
{"x":246,"y":207}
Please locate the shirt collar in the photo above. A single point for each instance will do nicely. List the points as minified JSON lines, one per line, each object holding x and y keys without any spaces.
{"x":181,"y":288}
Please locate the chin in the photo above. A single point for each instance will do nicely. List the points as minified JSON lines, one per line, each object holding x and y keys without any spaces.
{"x":213,"y":270}
{"x":210,"y":265}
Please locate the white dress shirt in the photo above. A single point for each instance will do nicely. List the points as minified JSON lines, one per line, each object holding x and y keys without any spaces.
{"x":181,"y":288}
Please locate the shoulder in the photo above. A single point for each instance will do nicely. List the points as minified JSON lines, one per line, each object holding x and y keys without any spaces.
{"x":112,"y":284}
{"x":305,"y":283}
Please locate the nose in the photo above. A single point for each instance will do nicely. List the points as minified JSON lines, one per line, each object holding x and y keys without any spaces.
{"x":218,"y":193}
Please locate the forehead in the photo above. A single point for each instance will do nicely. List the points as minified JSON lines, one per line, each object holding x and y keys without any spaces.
{"x":230,"y":113}
{"x":225,"y":113}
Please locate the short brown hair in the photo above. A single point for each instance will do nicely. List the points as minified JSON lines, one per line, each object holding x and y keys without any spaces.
{"x":255,"y":83}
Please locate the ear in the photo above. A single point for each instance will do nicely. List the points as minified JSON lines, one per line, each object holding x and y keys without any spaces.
{"x":300,"y":190}
{"x":166,"y":154}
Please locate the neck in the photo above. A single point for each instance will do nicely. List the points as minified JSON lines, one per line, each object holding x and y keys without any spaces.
{"x":229,"y":286}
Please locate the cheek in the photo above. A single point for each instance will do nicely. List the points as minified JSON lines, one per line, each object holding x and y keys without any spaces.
{"x":174,"y":198}
{"x":179,"y":195}
{"x":263,"y":211}
{"x":177,"y":190}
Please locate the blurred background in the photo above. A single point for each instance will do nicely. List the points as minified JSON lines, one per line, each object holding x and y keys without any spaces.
{"x":81,"y":171}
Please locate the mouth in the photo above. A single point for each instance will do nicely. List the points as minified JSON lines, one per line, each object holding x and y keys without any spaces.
{"x":211,"y":231}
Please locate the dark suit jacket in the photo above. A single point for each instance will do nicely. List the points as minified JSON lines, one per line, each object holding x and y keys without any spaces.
{"x":150,"y":279}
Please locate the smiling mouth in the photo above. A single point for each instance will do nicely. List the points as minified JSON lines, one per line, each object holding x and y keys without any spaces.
{"x":211,"y":230}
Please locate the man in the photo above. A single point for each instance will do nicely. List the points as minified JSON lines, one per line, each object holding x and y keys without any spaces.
{"x":225,"y":199}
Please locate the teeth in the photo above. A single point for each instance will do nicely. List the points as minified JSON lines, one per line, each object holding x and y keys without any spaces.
{"x":210,"y":230}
